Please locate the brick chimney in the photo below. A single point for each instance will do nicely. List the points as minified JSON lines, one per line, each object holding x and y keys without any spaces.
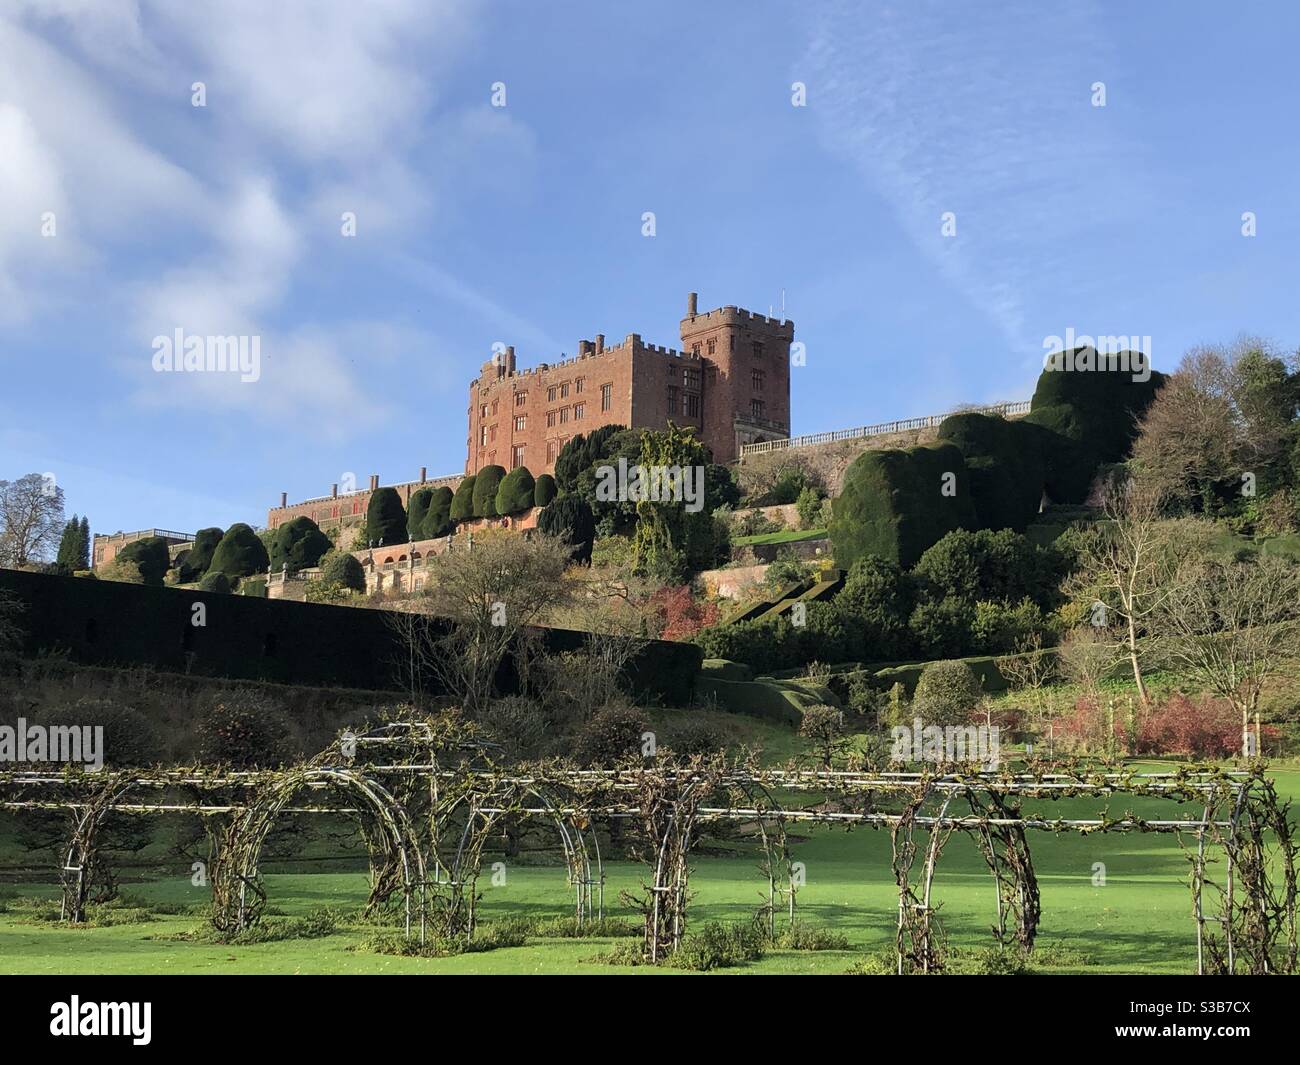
{"x":374,"y":481}
{"x":692,"y":304}
{"x":334,"y":491}
{"x":284,"y":500}
{"x":424,"y":474}
{"x":600,"y":343}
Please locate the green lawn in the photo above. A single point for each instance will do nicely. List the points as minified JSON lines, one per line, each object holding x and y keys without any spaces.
{"x":783,"y":536}
{"x":1140,"y":921}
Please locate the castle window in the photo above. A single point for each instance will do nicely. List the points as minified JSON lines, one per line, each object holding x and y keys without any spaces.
{"x":691,"y":378}
{"x":492,"y":435}
{"x":577,"y":385}
{"x":564,"y":415}
{"x":356,"y":508}
{"x":482,"y":411}
{"x":713,"y":345}
{"x":521,"y":399}
{"x":521,"y":423}
{"x":606,"y":397}
{"x":483,"y":436}
{"x":691,"y":405}
{"x":550,"y":419}
{"x":672,"y":398}
{"x":516,"y":456}
{"x":564,"y":390}
{"x":494,"y":408}
{"x":551,"y":451}
{"x":756,"y":407}
{"x":550,"y":394}
{"x":578,"y":409}
{"x":731,"y":341}
{"x":758,"y":349}
{"x":757,"y":377}
{"x":695,"y":349}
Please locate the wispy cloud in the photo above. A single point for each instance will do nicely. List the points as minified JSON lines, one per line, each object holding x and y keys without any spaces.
{"x":983,"y":111}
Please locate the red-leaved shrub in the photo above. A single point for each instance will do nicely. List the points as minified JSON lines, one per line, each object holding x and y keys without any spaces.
{"x":681,"y":615}
{"x":1201,"y":727}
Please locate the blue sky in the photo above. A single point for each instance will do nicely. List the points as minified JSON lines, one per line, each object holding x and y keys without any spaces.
{"x":522,"y":224}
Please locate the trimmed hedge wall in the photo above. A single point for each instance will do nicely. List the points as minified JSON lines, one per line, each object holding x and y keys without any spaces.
{"x":111,"y":623}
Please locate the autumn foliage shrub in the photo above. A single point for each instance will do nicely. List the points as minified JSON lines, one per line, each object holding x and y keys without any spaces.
{"x":1200,"y":727}
{"x":680,"y":614}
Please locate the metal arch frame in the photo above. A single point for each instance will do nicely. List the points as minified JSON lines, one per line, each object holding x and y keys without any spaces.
{"x":1213,"y":787}
{"x":255,"y":821}
{"x":486,"y":807}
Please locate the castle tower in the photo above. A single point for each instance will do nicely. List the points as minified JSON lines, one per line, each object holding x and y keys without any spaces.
{"x":746,"y":359}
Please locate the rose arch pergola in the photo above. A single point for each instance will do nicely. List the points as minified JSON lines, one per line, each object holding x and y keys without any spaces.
{"x":426,"y":795}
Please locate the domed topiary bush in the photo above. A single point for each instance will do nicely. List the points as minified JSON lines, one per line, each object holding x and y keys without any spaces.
{"x":545,"y":490}
{"x":416,"y":512}
{"x":298,"y":544}
{"x":385,"y":518}
{"x":462,"y":503}
{"x":437,"y":518}
{"x":149,"y":558}
{"x":240,"y":554}
{"x":515,"y":495}
{"x":946,"y":694}
{"x":486,"y":483}
{"x":343,"y":569}
{"x":195,"y":562}
{"x":216,"y":582}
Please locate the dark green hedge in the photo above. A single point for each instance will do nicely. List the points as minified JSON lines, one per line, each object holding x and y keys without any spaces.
{"x":111,"y":623}
{"x":416,"y":511}
{"x":891,"y":504}
{"x":195,"y":562}
{"x":1007,"y":461}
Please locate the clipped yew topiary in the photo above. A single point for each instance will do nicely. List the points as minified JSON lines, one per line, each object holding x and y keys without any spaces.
{"x":385,"y":518}
{"x":240,"y":554}
{"x":195,"y":562}
{"x":895,"y":504}
{"x":148,"y":556}
{"x":343,"y":569}
{"x":515,"y":495}
{"x":1093,"y":402}
{"x":298,"y":544}
{"x":215,"y":582}
{"x":486,"y":483}
{"x":416,"y":513}
{"x":462,"y":503}
{"x":544,"y":490}
{"x":1007,"y":463}
{"x":437,"y":518}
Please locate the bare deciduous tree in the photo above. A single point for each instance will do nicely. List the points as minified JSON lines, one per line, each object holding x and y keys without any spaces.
{"x":31,"y":519}
{"x":1128,"y":559}
{"x":490,"y":594}
{"x":1233,"y":625}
